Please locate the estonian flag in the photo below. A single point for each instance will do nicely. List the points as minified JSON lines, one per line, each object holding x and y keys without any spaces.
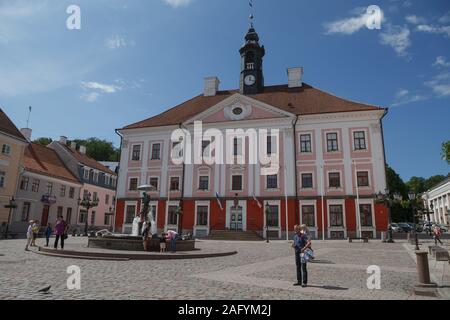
{"x":218,"y":201}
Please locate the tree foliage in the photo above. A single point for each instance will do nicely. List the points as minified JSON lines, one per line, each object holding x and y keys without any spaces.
{"x":100,"y":150}
{"x":446,"y":151}
{"x":43,"y":141}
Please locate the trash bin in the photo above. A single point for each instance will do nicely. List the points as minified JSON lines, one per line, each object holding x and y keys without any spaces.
{"x":383,"y":236}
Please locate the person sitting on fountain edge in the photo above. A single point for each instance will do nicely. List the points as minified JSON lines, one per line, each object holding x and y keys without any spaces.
{"x":145,"y":235}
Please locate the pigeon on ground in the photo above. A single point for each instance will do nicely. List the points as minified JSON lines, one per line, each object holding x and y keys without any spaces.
{"x":45,"y":290}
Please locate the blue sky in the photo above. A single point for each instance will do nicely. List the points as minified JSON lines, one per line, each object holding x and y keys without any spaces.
{"x":133,"y":59}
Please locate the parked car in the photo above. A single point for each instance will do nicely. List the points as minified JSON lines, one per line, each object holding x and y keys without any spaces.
{"x":395,"y":227}
{"x":427,"y":226}
{"x":405,"y":227}
{"x":418,"y":227}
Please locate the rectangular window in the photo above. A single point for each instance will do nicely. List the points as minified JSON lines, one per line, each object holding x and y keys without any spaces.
{"x":2,"y":179}
{"x":107,"y":220}
{"x":332,"y":142}
{"x":236,"y":147}
{"x":62,"y":192}
{"x":133,"y":184}
{"x":60,"y":211}
{"x":308,"y":216}
{"x":25,"y":211}
{"x":203,"y":183}
{"x":174,"y":183}
{"x":24,"y":183}
{"x":107,"y":199}
{"x":172,"y":218}
{"x":359,"y":138}
{"x":363,"y":178}
{"x":69,"y":215}
{"x":95,"y":196}
{"x":205,"y":148}
{"x":86,"y":174}
{"x":307,"y":180}
{"x":136,"y":152}
{"x":269,"y":145}
{"x":156,"y":151}
{"x":49,"y":188}
{"x":154,"y":182}
{"x":236,"y":183}
{"x":334,"y":180}
{"x":35,"y":185}
{"x":305,"y":143}
{"x":272,"y":217}
{"x":202,"y":216}
{"x":365,"y":211}
{"x":93,"y":218}
{"x":107,"y":179}
{"x":95,"y":176}
{"x":6,"y":149}
{"x":113,"y":181}
{"x":71,"y":192}
{"x":336,"y":216}
{"x":130,"y":214}
{"x":272,"y":181}
{"x":83,"y":216}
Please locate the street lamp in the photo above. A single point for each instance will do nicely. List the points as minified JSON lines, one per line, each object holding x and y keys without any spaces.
{"x":267,"y":221}
{"x":388,"y":200}
{"x":87,"y":203}
{"x":412,"y":196}
{"x":12,"y":205}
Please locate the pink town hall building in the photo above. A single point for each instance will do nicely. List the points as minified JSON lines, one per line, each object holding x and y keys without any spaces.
{"x":330,"y":160}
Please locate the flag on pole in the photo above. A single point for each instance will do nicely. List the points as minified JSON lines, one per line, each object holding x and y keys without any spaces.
{"x":250,"y":3}
{"x":257,"y":201}
{"x":218,"y":201}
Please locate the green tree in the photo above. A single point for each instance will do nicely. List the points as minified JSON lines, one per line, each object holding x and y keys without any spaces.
{"x":416,"y":185}
{"x":100,"y":150}
{"x":43,"y":141}
{"x":432,"y":181}
{"x":446,"y":151}
{"x":396,"y":185}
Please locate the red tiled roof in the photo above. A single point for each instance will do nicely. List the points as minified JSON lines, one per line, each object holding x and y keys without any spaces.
{"x":43,"y":160}
{"x":8,"y":127}
{"x":306,"y":100}
{"x":88,"y":161}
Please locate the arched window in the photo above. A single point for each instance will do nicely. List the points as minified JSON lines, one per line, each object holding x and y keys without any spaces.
{"x":250,"y":60}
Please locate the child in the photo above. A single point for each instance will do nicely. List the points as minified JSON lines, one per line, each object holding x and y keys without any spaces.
{"x":29,"y":235}
{"x":35,"y":229}
{"x":162,"y":243}
{"x":48,"y":233}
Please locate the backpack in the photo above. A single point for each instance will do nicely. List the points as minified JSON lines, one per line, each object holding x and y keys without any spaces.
{"x":437,"y":231}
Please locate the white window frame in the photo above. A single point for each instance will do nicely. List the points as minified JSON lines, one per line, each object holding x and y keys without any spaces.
{"x":159,"y":184}
{"x":127,"y":204}
{"x":339,"y":144}
{"x":341,"y":181}
{"x":132,"y":151}
{"x":305,"y":133}
{"x":366,"y":138}
{"x":202,"y":172}
{"x":332,"y":202}
{"x":6,"y":149}
{"x":312,"y":203}
{"x":373,"y":228}
{"x":129,"y":184}
{"x":197,"y":227}
{"x":278,"y":182}
{"x":86,"y":171}
{"x":107,"y":179}
{"x":272,"y":203}
{"x":95,"y":176}
{"x":171,"y":226}
{"x":179,"y":183}
{"x":231,"y":181}
{"x":368,"y":178}
{"x":151,"y":151}
{"x":301,"y":180}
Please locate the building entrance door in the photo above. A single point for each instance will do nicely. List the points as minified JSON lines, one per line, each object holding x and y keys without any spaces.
{"x":236,"y":218}
{"x":44,"y":218}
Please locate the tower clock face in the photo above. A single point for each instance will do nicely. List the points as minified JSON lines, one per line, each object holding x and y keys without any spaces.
{"x":249,"y":80}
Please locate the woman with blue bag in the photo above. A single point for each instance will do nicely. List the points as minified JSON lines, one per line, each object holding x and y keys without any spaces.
{"x":303,"y":254}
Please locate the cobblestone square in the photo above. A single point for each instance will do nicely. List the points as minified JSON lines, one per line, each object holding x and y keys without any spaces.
{"x":258,"y":271}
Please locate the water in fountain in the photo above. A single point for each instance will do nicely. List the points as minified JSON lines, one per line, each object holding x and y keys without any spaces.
{"x":135,"y":230}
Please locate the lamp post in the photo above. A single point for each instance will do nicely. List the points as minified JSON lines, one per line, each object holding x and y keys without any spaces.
{"x":12,"y":205}
{"x":388,"y":200}
{"x":267,"y":221}
{"x":87,"y":202}
{"x":412,"y":196}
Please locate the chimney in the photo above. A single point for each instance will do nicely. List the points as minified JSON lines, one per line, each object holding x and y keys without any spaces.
{"x":82,"y":150}
{"x":63,"y":140}
{"x":73,"y":145}
{"x":211,"y":86}
{"x":26,"y":132}
{"x":295,"y":77}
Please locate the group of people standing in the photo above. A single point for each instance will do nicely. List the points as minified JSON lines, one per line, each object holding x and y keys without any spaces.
{"x":170,"y":236}
{"x":60,"y":232}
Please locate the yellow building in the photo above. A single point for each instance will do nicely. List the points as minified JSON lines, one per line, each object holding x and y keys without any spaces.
{"x":12,"y":146}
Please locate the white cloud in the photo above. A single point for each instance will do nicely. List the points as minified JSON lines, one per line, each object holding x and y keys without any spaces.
{"x":401,"y":93}
{"x":116,"y":42}
{"x":440,"y":84}
{"x":397,"y":37}
{"x":90,"y":97}
{"x":403,"y":97}
{"x":445,"y":18}
{"x":434,"y":29}
{"x":441,"y":62}
{"x":104,"y":88}
{"x":349,"y":25}
{"x":413,"y":19}
{"x":177,"y":3}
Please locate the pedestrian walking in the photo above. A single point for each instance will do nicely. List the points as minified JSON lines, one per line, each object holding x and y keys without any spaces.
{"x":48,"y":233}
{"x":29,"y":235}
{"x":301,"y":244}
{"x":437,"y":235}
{"x":60,"y":232}
{"x":162,"y":243}
{"x":172,"y":236}
{"x":35,"y":229}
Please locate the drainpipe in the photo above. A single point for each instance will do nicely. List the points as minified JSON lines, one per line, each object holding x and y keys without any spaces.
{"x":117,"y":181}
{"x":180,"y":225}
{"x":385,"y":163}
{"x":294,"y":125}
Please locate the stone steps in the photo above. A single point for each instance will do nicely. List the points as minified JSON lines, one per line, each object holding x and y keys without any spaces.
{"x":230,"y":235}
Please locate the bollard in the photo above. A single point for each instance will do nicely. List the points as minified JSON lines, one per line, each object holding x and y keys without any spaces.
{"x":422,"y":268}
{"x":383,"y":236}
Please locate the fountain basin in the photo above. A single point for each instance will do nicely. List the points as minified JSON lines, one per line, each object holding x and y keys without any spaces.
{"x":133,"y":243}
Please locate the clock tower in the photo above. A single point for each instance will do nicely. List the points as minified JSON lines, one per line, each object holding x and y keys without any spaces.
{"x":252,"y":79}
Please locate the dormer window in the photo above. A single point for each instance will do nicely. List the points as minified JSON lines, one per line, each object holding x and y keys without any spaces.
{"x":86,"y":174}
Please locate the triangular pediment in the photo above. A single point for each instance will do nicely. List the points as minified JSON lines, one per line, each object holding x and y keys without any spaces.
{"x":239,"y":108}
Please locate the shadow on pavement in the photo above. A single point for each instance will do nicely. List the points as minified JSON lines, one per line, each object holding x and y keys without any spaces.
{"x":329,"y":287}
{"x":322,"y":261}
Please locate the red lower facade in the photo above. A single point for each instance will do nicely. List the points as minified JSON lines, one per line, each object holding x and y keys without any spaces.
{"x":201,"y":216}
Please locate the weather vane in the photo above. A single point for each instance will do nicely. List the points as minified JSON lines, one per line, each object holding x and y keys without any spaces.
{"x":250,"y":3}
